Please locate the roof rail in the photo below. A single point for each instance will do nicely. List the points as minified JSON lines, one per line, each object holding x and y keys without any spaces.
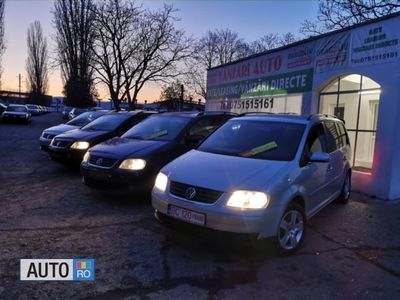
{"x":257,"y":113}
{"x":321,"y":115}
{"x":218,"y":112}
{"x":326,"y":116}
{"x":269,"y":113}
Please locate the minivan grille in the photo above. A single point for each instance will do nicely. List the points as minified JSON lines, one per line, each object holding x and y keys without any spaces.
{"x":48,"y":136}
{"x":60,"y":143}
{"x":103,"y":162}
{"x":201,"y":194}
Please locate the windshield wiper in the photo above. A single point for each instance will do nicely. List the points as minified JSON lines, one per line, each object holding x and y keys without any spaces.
{"x":260,"y":149}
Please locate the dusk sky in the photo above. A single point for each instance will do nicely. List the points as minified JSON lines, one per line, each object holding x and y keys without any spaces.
{"x":251,"y":19}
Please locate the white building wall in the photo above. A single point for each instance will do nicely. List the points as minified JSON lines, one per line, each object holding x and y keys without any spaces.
{"x":384,"y":180}
{"x":371,"y":50}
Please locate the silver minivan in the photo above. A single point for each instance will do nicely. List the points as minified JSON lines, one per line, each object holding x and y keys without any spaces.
{"x":259,"y":173}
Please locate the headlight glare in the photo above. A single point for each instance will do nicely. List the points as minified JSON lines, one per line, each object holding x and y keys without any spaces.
{"x":161,"y":182}
{"x":134,"y":164}
{"x":85,"y":157}
{"x":248,"y":200}
{"x":80,"y":145}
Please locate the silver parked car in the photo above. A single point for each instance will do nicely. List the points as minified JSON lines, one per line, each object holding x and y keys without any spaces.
{"x":259,"y":173}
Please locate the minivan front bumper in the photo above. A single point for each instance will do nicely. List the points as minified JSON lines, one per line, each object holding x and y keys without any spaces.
{"x":220,"y":217}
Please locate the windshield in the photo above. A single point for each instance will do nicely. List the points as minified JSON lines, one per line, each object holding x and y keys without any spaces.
{"x":16,"y":108}
{"x":84,"y":119}
{"x":106,"y":123}
{"x":165,"y":128}
{"x":255,"y":139}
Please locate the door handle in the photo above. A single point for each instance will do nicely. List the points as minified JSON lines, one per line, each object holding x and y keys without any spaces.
{"x":330,"y":167}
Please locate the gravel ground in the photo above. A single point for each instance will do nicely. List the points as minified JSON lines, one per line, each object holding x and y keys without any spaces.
{"x":351,"y":252}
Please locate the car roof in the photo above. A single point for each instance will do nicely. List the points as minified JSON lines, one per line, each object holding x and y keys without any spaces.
{"x":16,"y":105}
{"x":194,"y":114}
{"x":288,"y":117}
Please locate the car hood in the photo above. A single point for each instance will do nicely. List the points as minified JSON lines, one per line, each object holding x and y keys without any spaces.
{"x":61,"y":128}
{"x":81,"y":135}
{"x":222,"y":172}
{"x":122,"y":147}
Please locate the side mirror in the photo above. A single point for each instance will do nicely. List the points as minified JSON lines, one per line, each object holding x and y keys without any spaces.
{"x":193,"y":140}
{"x":322,"y":157}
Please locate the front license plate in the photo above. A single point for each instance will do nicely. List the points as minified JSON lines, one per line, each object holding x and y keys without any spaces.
{"x":186,"y":215}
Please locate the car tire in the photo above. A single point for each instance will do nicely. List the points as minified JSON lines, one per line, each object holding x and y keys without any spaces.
{"x":346,"y":190}
{"x":291,"y":230}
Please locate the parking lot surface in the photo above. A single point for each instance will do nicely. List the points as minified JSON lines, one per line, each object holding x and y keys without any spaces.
{"x":350,"y":252}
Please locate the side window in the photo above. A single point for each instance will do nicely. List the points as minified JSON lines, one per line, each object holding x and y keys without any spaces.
{"x":316,"y":142}
{"x":316,"y":139}
{"x":205,"y":126}
{"x":332,"y":137}
{"x":342,"y":134}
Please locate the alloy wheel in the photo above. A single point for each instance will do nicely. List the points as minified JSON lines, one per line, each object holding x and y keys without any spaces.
{"x":291,"y":229}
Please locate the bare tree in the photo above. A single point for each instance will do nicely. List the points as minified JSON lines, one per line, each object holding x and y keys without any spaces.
{"x":265,"y":43}
{"x":229,"y":46}
{"x":75,"y":32}
{"x":2,"y":42}
{"x":206,"y":49}
{"x":213,"y":49}
{"x":287,"y":38}
{"x":117,"y":24}
{"x":173,"y":91}
{"x":160,"y":49}
{"x":338,"y":14}
{"x":272,"y":41}
{"x":37,"y":63}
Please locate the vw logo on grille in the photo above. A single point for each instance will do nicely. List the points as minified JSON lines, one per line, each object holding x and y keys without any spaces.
{"x":99,"y":161}
{"x":190,"y":193}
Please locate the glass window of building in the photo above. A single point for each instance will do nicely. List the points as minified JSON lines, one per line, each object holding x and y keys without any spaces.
{"x":355,"y":99}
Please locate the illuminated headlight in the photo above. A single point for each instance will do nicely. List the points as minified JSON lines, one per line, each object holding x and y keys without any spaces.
{"x":80,"y":145}
{"x":85,"y":157}
{"x":248,"y":200}
{"x":134,"y":164}
{"x":161,"y":182}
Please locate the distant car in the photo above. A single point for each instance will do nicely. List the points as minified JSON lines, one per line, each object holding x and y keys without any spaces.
{"x":16,"y":113}
{"x":70,"y":147}
{"x":65,"y":112}
{"x":76,"y":123}
{"x":259,"y":174}
{"x":131,"y":162}
{"x":76,"y":112}
{"x":34,"y":109}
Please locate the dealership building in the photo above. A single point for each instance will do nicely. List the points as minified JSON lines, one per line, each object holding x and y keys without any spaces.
{"x":352,"y":73}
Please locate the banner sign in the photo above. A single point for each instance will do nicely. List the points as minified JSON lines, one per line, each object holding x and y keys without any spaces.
{"x":286,"y":83}
{"x":332,"y":52}
{"x":249,"y":84}
{"x":300,"y":56}
{"x":377,"y":43}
